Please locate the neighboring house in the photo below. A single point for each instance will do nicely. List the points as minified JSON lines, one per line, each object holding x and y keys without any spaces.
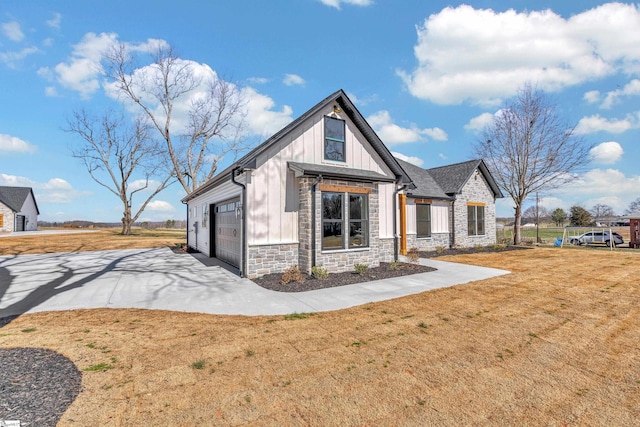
{"x":18,"y":209}
{"x":326,"y":191}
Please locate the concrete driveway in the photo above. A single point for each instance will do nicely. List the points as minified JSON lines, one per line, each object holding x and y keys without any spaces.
{"x":160,"y":279}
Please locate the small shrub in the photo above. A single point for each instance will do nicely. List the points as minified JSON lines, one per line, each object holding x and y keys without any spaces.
{"x":361,"y":268}
{"x":439,"y":250}
{"x":200,"y":364}
{"x":292,"y":274}
{"x":394,"y":265}
{"x":413,"y":254}
{"x":479,"y":247}
{"x":319,"y":272}
{"x":498,"y":246}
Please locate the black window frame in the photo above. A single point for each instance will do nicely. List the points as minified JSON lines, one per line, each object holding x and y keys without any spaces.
{"x":350,"y":229}
{"x":427,"y":221}
{"x":334,"y":141}
{"x":473,"y":221}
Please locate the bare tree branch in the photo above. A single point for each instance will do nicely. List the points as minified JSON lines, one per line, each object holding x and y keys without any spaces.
{"x":113,"y":152}
{"x":529,"y":148}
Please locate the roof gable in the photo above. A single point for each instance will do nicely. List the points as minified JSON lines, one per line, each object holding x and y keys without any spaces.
{"x":14,"y":197}
{"x":339,"y":98}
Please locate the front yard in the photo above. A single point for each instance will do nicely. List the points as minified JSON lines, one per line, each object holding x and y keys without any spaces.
{"x":554,"y":343}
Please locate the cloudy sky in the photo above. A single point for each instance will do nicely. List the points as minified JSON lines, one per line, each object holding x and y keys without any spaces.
{"x":427,"y":75}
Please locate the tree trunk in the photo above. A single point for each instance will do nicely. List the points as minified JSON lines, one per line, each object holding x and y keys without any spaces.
{"x":516,"y":226}
{"x":126,"y":221}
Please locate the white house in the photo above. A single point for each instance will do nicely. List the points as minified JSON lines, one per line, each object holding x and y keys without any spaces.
{"x":326,"y":191}
{"x":18,"y":209}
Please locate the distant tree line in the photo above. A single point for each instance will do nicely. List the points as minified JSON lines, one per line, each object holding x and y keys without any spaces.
{"x":178,"y":224}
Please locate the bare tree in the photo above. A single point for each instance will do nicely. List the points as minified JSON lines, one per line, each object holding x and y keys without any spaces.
{"x":199,"y":116}
{"x":634,"y":208}
{"x":529,"y":148}
{"x":122,"y":158}
{"x":600,"y":211}
{"x":535,"y":213}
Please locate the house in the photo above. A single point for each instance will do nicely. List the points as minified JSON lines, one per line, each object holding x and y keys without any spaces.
{"x":326,"y":191}
{"x":18,"y":209}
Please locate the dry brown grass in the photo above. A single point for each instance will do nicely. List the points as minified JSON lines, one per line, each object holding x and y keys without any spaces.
{"x":90,"y":241}
{"x":555,"y":343}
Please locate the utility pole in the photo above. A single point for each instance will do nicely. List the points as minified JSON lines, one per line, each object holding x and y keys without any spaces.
{"x":537,"y":219}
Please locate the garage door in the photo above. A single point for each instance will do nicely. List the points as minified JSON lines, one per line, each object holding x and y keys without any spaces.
{"x":227,"y":232}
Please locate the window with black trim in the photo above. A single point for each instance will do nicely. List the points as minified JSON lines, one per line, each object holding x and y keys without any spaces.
{"x":345,"y":226}
{"x":423,"y":220}
{"x":334,"y":142}
{"x":475,"y":219}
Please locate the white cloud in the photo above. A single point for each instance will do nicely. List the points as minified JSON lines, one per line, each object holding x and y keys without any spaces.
{"x":391,"y":133}
{"x":293,"y":80}
{"x":10,"y":58}
{"x":83,"y":69}
{"x":592,"y":96}
{"x":362,"y":101}
{"x":478,"y":123}
{"x":56,"y":190}
{"x":55,"y":21}
{"x":630,"y":89}
{"x":261,"y":118}
{"x":14,"y":144}
{"x":597,"y":123}
{"x":483,"y":56}
{"x":12,"y":31}
{"x":160,"y":206}
{"x":51,"y":91}
{"x":258,"y":80}
{"x":607,"y":152}
{"x":410,"y":159}
{"x":338,"y":3}
{"x":442,"y":156}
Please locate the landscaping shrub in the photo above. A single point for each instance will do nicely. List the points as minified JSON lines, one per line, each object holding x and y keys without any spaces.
{"x":414,"y":255}
{"x":292,"y":274}
{"x":361,"y":268}
{"x":319,"y":272}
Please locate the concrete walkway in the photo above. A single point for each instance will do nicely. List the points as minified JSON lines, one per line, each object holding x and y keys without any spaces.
{"x":160,"y":279}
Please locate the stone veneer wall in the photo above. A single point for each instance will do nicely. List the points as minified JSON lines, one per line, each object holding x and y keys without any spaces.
{"x":8,"y":218}
{"x":267,"y":259}
{"x":385,"y":249}
{"x":428,"y":243}
{"x":339,"y":260}
{"x":475,"y":190}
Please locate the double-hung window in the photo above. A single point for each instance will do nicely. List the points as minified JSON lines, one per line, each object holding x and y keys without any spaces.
{"x":423,"y":220}
{"x":475,"y":219}
{"x":334,"y":142}
{"x":345,"y":221}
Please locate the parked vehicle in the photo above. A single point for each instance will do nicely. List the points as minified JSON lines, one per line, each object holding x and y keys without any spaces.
{"x":597,"y":237}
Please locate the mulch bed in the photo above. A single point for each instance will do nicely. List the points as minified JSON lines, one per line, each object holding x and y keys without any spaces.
{"x":481,"y":249}
{"x":310,"y":283}
{"x":36,"y":385}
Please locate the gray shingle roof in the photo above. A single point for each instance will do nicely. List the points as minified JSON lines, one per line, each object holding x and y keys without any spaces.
{"x":452,"y":178}
{"x":14,"y":197}
{"x":426,"y":186}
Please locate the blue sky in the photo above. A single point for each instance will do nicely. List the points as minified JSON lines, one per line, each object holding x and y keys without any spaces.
{"x":427,"y":75}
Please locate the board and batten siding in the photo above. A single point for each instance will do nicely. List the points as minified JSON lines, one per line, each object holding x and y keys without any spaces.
{"x":439,"y":217}
{"x":30,"y":213}
{"x":223,"y":192}
{"x":273,"y":191}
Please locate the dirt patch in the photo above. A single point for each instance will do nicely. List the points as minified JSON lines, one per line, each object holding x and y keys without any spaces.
{"x":309,"y":283}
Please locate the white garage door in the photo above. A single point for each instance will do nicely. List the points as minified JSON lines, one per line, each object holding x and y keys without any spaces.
{"x":227,"y":231}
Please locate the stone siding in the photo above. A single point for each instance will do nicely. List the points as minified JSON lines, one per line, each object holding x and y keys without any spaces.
{"x":267,"y":259}
{"x":386,"y":250}
{"x":428,"y":243}
{"x":475,"y":190}
{"x":8,"y":218}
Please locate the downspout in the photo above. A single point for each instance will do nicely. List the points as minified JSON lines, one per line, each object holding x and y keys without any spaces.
{"x":187,"y":205}
{"x":243,"y":234}
{"x":395,"y":218}
{"x":313,"y":219}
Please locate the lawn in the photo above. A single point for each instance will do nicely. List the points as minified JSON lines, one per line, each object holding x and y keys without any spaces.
{"x":90,"y":241}
{"x":554,"y":343}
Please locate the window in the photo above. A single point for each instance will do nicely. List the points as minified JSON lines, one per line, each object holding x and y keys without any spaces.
{"x":475,"y":218}
{"x":334,"y":144}
{"x":336,"y":217}
{"x":423,"y":220}
{"x":204,"y":216}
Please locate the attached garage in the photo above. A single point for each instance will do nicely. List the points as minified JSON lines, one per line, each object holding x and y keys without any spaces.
{"x":226,"y":231}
